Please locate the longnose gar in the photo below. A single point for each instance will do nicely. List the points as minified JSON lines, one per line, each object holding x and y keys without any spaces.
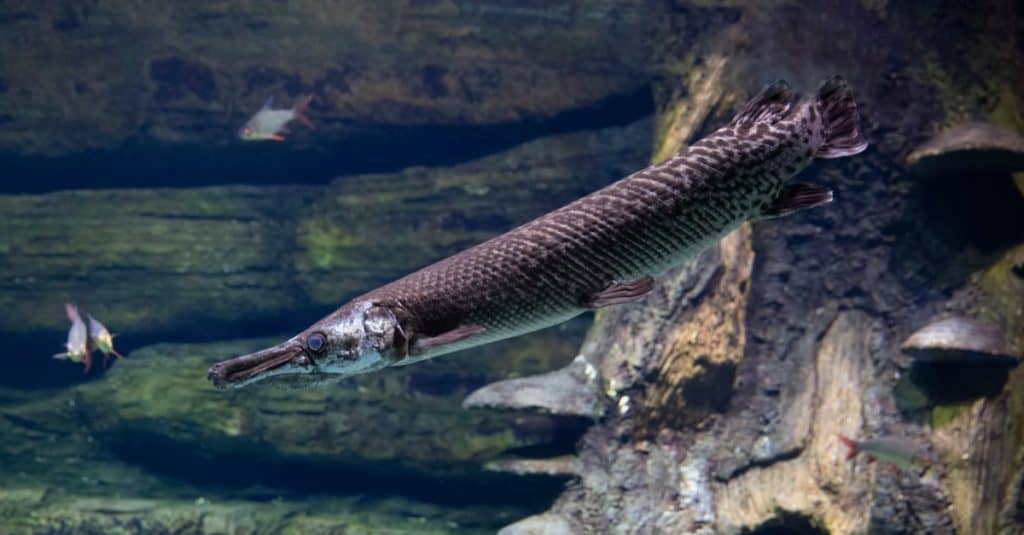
{"x":600,"y":250}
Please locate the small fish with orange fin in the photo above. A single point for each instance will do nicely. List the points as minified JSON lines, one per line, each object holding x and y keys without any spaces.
{"x":101,"y":340}
{"x":897,"y":451}
{"x":271,"y":124}
{"x":77,"y":346}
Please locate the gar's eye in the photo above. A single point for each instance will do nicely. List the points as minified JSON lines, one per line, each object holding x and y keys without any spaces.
{"x":316,"y":342}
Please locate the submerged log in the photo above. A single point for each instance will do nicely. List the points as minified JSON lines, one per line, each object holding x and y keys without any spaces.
{"x":204,"y":68}
{"x":409,"y":417}
{"x":155,"y":262}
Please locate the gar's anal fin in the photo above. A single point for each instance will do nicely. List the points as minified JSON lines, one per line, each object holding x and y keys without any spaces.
{"x":621,"y":292}
{"x":797,"y":196}
{"x":458,"y":334}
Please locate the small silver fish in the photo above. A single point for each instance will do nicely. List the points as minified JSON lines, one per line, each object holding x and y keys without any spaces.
{"x":271,"y":124}
{"x":101,"y":340}
{"x":898,"y":451}
{"x":77,"y":345}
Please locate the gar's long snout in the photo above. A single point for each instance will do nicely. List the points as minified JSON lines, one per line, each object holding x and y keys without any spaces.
{"x":247,"y":368}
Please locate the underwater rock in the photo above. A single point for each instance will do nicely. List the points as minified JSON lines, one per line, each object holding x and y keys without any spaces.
{"x":372,"y":65}
{"x":38,"y":510}
{"x":157,"y":398}
{"x":959,"y":339}
{"x":975,"y":147}
{"x":570,"y":391}
{"x":984,"y":476}
{"x":545,"y":524}
{"x":57,"y":476}
{"x":810,"y":312}
{"x":565,"y":465}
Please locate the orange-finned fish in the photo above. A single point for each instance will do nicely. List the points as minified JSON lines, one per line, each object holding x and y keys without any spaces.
{"x":102,"y":340}
{"x":271,"y":124}
{"x":77,"y":346}
{"x":900,"y":452}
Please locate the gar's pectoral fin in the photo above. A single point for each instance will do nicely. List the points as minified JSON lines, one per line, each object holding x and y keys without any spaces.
{"x":422,"y":344}
{"x":797,"y":196}
{"x":621,"y":292}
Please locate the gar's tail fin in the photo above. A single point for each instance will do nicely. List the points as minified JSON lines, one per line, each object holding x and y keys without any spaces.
{"x":851,"y":446}
{"x":842,"y":123}
{"x":300,"y":112}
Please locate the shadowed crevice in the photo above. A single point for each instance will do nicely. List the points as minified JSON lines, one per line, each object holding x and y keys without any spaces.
{"x":244,"y":468}
{"x":368,"y":148}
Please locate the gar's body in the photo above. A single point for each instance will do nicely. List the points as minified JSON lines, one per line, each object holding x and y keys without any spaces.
{"x":600,"y":250}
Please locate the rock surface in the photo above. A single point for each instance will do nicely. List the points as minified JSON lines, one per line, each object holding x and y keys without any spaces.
{"x":730,"y":382}
{"x":407,"y":416}
{"x":94,"y":76}
{"x":570,"y":391}
{"x":959,"y":338}
{"x":38,"y":512}
{"x":970,"y":147}
{"x":564,"y":465}
{"x":153,"y":448}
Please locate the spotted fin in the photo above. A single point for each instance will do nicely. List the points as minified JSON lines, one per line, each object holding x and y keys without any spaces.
{"x":842,"y":123}
{"x":458,"y":334}
{"x":797,"y":196}
{"x":773,"y":101}
{"x":621,"y":292}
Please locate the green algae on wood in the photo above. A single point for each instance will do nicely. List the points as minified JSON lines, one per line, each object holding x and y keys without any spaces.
{"x":162,"y":260}
{"x":147,"y":259}
{"x":37,"y":509}
{"x":410,"y":416}
{"x":168,"y":72}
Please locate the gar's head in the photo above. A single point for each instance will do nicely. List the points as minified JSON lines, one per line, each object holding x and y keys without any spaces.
{"x":358,"y":338}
